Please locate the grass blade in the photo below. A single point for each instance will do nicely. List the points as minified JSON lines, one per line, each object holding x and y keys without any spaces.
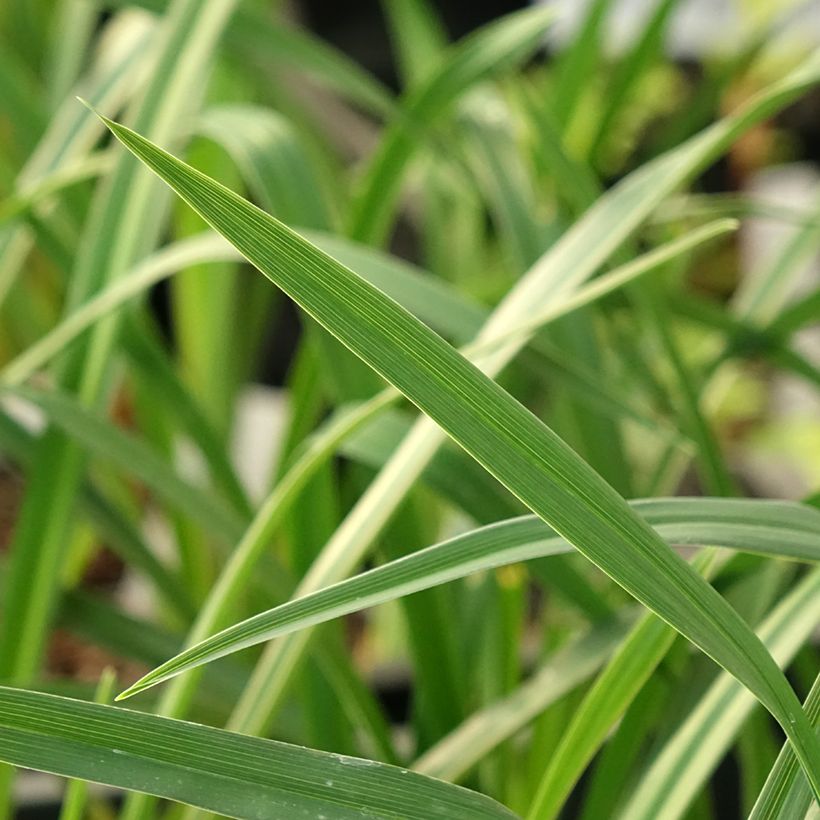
{"x":231,"y":774}
{"x":785,"y":792}
{"x":76,"y":794}
{"x":418,"y":36}
{"x":166,"y":262}
{"x":770,"y":528}
{"x":614,"y":689}
{"x":569,"y":263}
{"x":123,"y":220}
{"x":72,"y":132}
{"x":136,"y":458}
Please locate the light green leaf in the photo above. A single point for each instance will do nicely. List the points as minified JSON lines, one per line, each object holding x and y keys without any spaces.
{"x":76,"y":793}
{"x":272,"y":157}
{"x":124,"y":221}
{"x":454,"y":755}
{"x":164,"y":263}
{"x":119,"y":532}
{"x":73,"y":173}
{"x":418,"y":35}
{"x":605,"y":702}
{"x":72,"y":131}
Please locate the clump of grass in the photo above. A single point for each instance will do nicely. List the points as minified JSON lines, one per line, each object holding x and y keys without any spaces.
{"x":499,"y":448}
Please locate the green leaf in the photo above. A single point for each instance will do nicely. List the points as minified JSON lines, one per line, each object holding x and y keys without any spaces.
{"x":237,"y":572}
{"x":418,"y":35}
{"x":76,"y":793}
{"x":231,"y":774}
{"x":525,"y":455}
{"x":579,"y":60}
{"x":153,"y":269}
{"x":119,"y":532}
{"x":252,"y":33}
{"x":274,"y":45}
{"x":272,"y":157}
{"x":87,"y":167}
{"x":73,"y":131}
{"x":631,"y":69}
{"x":429,"y":299}
{"x":124,"y":221}
{"x":767,"y":527}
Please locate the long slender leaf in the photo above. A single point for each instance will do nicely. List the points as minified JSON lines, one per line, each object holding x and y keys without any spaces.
{"x":134,"y":456}
{"x":72,"y":132}
{"x":607,"y":699}
{"x":116,"y":530}
{"x":569,"y":262}
{"x":227,"y":773}
{"x":454,"y":755}
{"x":770,"y":528}
{"x":125,"y":221}
{"x":164,"y":263}
{"x":76,"y":794}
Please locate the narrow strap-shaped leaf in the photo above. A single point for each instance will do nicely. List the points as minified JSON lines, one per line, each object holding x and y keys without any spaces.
{"x":19,"y":205}
{"x":579,"y":61}
{"x":123,"y":222}
{"x":76,"y":793}
{"x":631,"y":69}
{"x":741,"y":524}
{"x":429,"y":299}
{"x":118,"y":532}
{"x":231,"y":774}
{"x":153,"y":269}
{"x":272,"y":157}
{"x":418,"y":36}
{"x":253,"y":33}
{"x":513,"y":444}
{"x":72,"y":132}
